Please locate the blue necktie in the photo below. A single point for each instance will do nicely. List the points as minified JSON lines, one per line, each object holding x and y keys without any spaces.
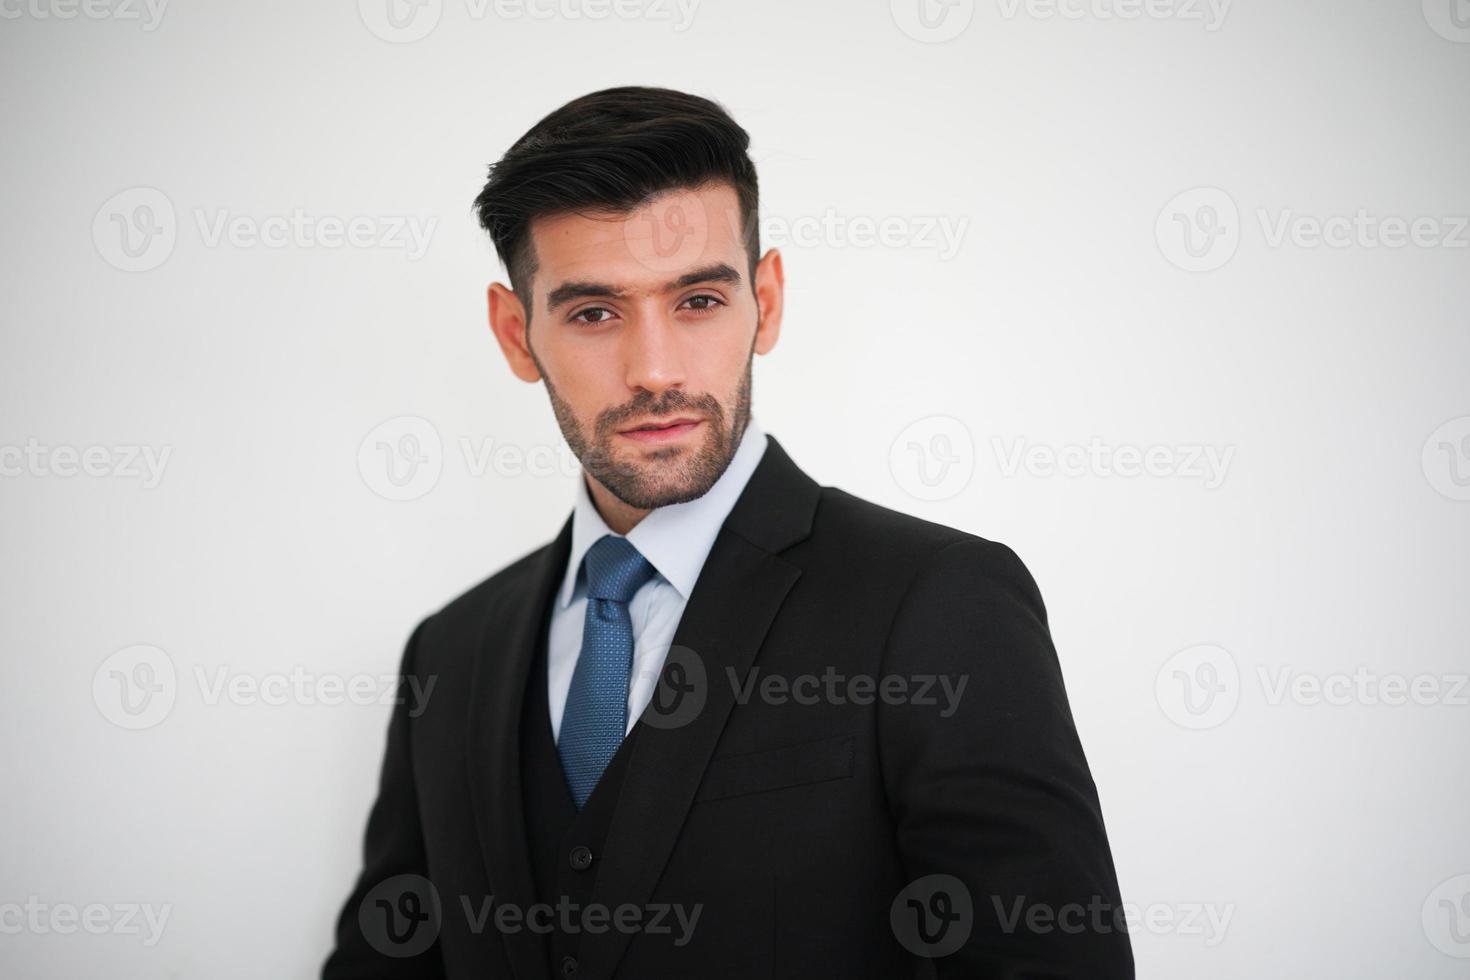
{"x":596,"y":714}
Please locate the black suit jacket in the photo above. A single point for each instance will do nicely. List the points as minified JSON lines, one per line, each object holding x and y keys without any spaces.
{"x":868,"y":822}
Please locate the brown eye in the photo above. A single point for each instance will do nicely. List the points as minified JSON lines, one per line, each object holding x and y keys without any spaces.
{"x":599,"y":315}
{"x":704,"y":303}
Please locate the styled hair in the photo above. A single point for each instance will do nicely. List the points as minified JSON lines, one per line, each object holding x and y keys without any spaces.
{"x":612,"y":151}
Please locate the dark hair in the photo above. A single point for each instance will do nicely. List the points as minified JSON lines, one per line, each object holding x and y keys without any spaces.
{"x":612,"y":151}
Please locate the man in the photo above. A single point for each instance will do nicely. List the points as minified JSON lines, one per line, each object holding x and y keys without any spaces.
{"x":729,"y":723}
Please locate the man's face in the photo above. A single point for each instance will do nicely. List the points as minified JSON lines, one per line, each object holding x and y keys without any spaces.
{"x":643,"y":326}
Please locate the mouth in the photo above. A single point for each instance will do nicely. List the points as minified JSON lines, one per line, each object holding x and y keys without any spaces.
{"x":659,"y":431}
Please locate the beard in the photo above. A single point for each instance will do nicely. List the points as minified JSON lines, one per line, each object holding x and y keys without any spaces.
{"x":647,"y":479}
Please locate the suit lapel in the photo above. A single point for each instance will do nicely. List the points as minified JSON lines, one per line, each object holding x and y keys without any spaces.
{"x":493,"y":743}
{"x":735,"y":600}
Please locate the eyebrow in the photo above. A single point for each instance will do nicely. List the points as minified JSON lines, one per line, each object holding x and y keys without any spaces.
{"x":569,"y":291}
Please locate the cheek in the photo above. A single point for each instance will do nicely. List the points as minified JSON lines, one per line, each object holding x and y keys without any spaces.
{"x":721,"y":350}
{"x":592,"y":384}
{"x":723,"y":360}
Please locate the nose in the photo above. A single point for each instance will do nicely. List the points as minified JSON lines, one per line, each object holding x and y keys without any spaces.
{"x":653,"y":351}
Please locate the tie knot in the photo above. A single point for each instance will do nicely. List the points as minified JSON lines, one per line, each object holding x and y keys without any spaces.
{"x":615,"y":569}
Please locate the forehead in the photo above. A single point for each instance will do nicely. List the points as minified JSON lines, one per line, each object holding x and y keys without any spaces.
{"x":675,"y":232}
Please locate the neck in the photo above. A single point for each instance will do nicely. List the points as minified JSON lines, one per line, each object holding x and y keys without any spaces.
{"x":617,"y":515}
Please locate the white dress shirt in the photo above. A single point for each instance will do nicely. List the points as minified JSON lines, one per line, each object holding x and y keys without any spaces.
{"x":676,"y":540}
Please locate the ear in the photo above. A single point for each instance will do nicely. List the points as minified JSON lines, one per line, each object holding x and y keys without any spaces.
{"x":770,"y":297}
{"x":508,"y":321}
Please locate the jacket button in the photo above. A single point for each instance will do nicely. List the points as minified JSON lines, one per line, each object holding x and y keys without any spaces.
{"x":580,"y":858}
{"x":568,"y":966}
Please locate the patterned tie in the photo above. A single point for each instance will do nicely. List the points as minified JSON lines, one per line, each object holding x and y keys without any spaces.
{"x":596,"y":714}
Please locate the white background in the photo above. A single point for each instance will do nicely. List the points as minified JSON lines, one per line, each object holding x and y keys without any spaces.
{"x":1334,"y":541}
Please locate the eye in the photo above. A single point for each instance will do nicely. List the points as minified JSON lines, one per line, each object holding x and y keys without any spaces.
{"x":704,"y":303}
{"x":602,"y":315}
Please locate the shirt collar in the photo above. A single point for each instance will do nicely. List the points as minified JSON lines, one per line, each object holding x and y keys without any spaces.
{"x":676,"y":539}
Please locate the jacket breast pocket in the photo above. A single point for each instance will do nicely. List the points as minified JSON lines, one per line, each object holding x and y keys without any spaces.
{"x":778,"y":768}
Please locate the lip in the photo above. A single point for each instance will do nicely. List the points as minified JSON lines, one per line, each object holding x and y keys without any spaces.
{"x":672,"y":430}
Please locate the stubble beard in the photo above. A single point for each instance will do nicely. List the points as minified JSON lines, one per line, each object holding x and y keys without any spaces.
{"x":647,"y":479}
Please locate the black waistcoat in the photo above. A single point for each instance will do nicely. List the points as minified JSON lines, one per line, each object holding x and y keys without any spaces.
{"x":565,"y":846}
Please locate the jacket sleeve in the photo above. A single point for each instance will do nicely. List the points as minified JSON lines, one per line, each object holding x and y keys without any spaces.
{"x":994,"y":805}
{"x":388,"y":927}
